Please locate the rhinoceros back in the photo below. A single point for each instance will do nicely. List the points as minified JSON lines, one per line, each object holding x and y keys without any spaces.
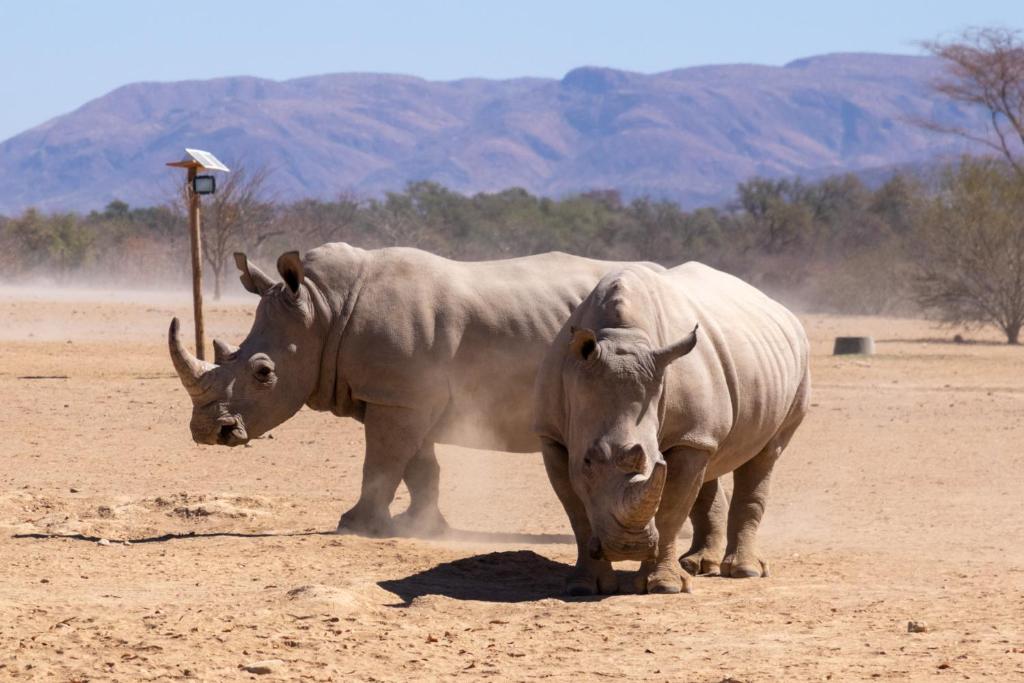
{"x":731,"y":394}
{"x":749,"y":372}
{"x":463,"y":338}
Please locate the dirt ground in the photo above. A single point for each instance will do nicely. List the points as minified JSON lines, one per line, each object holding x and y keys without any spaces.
{"x":900,"y":499}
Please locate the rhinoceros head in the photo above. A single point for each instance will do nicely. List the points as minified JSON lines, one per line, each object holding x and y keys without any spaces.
{"x":251,"y":389}
{"x":613,"y":383}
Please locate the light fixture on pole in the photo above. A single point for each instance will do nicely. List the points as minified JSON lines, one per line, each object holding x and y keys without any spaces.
{"x":194,"y":161}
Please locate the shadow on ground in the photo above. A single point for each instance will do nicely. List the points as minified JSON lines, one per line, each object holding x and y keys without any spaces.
{"x":509,"y":576}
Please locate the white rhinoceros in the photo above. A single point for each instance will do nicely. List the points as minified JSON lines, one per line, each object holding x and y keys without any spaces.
{"x":419,"y":348}
{"x":636,"y":410}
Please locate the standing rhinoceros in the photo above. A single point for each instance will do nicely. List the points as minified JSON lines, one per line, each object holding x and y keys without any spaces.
{"x":419,"y":348}
{"x":636,"y":410}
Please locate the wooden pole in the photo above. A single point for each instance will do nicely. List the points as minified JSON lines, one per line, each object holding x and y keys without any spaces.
{"x":197,"y":265}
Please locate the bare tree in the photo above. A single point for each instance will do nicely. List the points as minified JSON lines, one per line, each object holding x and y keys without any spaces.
{"x":970,"y":248}
{"x":322,"y":222}
{"x":236,"y":217}
{"x":397,"y":222}
{"x":986,"y":69}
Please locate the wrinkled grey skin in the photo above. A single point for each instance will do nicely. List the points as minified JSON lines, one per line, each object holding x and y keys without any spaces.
{"x":420,"y":349}
{"x":251,"y":389}
{"x":657,"y":385}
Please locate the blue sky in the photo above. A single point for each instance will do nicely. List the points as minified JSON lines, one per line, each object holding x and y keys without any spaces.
{"x":58,"y":55}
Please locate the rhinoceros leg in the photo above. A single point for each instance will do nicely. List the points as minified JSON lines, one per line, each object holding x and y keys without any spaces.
{"x":749,"y":498}
{"x":686,"y":467}
{"x":590,"y":576}
{"x":710,"y":517}
{"x":422,"y":477}
{"x":394,"y":435}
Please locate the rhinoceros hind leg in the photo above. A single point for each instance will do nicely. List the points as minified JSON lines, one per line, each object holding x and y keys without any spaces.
{"x":710,"y":517}
{"x":394,"y":435}
{"x":422,"y":478}
{"x":749,"y":499}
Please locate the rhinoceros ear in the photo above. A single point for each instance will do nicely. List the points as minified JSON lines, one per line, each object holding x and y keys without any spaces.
{"x":667,"y":354}
{"x":290,"y":267}
{"x":253,"y":279}
{"x":583,"y":344}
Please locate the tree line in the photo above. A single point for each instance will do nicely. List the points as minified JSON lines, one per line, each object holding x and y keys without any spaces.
{"x":950,"y":243}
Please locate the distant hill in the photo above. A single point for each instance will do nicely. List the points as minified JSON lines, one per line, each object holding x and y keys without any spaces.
{"x":689,"y":134}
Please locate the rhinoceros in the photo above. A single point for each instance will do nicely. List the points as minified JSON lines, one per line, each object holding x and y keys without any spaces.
{"x":658,"y":384}
{"x":420,"y":349}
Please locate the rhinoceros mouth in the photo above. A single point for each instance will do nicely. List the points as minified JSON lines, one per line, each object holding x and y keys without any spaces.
{"x":624,"y":545}
{"x":232,"y":431}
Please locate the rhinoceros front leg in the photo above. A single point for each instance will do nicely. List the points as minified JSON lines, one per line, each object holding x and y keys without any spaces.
{"x":590,"y":576}
{"x":686,"y":467}
{"x":394,"y":435}
{"x":422,"y":477}
{"x":710,"y":517}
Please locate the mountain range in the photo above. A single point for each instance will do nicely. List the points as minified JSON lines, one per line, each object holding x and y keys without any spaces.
{"x":688,"y":135}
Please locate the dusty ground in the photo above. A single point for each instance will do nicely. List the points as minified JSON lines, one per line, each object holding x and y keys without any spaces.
{"x":900,"y":499}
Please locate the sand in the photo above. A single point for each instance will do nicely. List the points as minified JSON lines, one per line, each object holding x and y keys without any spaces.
{"x":129,"y":553}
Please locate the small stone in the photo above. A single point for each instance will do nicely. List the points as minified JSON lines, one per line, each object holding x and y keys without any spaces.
{"x":72,"y":489}
{"x":266,"y":666}
{"x":103,"y":541}
{"x":916,"y":627}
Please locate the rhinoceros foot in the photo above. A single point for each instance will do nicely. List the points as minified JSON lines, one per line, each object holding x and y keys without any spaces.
{"x":703,"y":562}
{"x":663,"y":577}
{"x":592,"y":580}
{"x":421,"y":523}
{"x":741,"y":565}
{"x":377,"y":526}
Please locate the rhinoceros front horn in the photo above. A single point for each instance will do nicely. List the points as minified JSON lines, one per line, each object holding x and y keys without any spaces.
{"x":642,"y":495}
{"x":188,"y":367}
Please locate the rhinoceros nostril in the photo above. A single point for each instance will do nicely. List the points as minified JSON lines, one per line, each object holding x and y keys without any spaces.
{"x":224,"y":434}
